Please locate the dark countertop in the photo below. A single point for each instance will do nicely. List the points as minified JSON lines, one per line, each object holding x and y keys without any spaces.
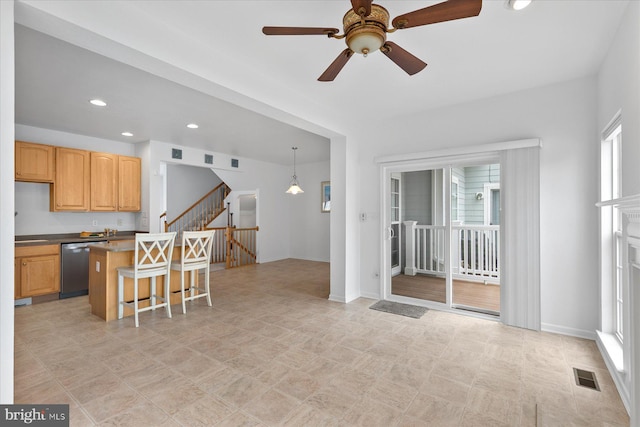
{"x":49,"y":239}
{"x":119,"y":246}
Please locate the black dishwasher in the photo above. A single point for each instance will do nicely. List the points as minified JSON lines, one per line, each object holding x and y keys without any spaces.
{"x":74,"y":270}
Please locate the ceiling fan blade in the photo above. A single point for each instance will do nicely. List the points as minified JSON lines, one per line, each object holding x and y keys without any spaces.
{"x":299,"y":31}
{"x":441,"y":12}
{"x":335,"y":67}
{"x":364,"y":4}
{"x":403,"y":59}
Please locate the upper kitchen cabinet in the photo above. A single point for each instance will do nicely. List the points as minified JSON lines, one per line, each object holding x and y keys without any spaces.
{"x":34,"y":162}
{"x":104,"y":182}
{"x":71,"y":189}
{"x":129,"y":172}
{"x":115,"y":183}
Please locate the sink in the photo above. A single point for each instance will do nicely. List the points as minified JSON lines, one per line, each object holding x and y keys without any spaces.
{"x":31,"y":241}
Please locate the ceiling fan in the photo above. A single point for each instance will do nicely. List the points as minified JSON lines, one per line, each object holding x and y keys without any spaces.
{"x":366,"y":26}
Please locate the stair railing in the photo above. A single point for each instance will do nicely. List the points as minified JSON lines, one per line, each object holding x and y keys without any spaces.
{"x":241,"y":246}
{"x":219,"y":248}
{"x":201,"y":213}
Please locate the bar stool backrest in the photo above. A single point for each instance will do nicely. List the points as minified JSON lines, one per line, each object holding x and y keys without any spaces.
{"x":196,"y":247}
{"x":153,"y":251}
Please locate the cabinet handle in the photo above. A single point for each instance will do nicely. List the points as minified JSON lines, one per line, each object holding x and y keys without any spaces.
{"x":24,"y":263}
{"x":18,"y":173}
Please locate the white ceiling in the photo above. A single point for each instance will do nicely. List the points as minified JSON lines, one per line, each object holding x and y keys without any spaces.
{"x":500,"y":51}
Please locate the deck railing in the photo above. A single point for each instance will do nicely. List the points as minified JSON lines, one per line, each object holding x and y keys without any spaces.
{"x":474,"y":251}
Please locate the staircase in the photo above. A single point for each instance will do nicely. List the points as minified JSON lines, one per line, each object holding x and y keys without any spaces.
{"x":201,"y":213}
{"x":231,"y":245}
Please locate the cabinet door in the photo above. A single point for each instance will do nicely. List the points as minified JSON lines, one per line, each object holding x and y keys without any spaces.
{"x":129,"y":184}
{"x":104,"y":181}
{"x":39,"y":275}
{"x":71,"y":189}
{"x":34,"y":162}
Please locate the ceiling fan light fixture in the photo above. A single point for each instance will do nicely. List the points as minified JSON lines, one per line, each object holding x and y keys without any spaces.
{"x":366,"y":35}
{"x":365,"y":42}
{"x":517,"y":4}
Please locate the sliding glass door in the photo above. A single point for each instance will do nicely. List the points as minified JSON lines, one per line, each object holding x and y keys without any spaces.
{"x":443,"y":228}
{"x":475,"y":238}
{"x":422,"y":273}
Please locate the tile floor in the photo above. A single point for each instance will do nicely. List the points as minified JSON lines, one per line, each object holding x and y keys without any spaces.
{"x":273,"y":351}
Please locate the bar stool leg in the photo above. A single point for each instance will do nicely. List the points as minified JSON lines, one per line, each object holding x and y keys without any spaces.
{"x":167,"y":293}
{"x":184,"y":306}
{"x":152,"y":296}
{"x":206,"y":285}
{"x":135,"y":300}
{"x":120,"y":296}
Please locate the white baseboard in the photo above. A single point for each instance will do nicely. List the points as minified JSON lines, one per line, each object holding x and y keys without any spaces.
{"x":370,"y":295}
{"x":572,"y":332}
{"x":336,"y":298}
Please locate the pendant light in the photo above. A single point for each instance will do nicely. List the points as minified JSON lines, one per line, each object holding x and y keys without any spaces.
{"x":294,"y":188}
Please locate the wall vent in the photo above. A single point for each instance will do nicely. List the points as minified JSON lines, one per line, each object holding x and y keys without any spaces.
{"x":176,"y":153}
{"x":234,"y":163}
{"x":208,"y":159}
{"x":586,"y":379}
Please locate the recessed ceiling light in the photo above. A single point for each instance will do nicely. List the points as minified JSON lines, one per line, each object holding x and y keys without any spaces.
{"x":192,"y":126}
{"x":517,"y":4}
{"x":98,"y":102}
{"x":127,"y":134}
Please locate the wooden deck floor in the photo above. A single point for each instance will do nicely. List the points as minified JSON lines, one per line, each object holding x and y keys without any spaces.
{"x":430,"y":288}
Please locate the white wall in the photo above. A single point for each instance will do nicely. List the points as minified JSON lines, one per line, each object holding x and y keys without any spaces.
{"x":32,"y":199}
{"x":309,"y":226}
{"x":7,"y":117}
{"x":619,"y":89}
{"x":269,"y":179}
{"x":186,"y":185}
{"x":563,"y":115}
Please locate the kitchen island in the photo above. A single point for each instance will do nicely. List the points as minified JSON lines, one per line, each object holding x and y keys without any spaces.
{"x":104,"y":259}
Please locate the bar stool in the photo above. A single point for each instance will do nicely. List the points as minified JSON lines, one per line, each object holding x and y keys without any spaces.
{"x":152,"y":258}
{"x":195,"y":255}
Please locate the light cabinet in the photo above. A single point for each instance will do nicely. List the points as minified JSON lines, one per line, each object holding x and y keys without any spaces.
{"x":104,"y":182}
{"x":115,"y":183}
{"x":129,"y":183}
{"x":81,"y":180}
{"x":34,"y":162}
{"x":37,"y":270}
{"x":71,"y":189}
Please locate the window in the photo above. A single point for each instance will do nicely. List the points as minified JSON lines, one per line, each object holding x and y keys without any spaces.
{"x":612,"y":251}
{"x":454,"y":198}
{"x":492,"y":203}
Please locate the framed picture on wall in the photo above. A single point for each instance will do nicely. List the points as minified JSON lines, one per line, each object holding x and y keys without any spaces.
{"x":325,"y":196}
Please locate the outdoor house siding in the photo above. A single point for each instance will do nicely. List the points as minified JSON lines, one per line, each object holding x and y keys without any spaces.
{"x":475,"y":178}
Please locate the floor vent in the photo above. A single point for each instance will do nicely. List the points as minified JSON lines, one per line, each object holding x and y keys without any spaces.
{"x":586,"y":379}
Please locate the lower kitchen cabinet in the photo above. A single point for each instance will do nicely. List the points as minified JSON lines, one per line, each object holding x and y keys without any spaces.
{"x":37,"y":270}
